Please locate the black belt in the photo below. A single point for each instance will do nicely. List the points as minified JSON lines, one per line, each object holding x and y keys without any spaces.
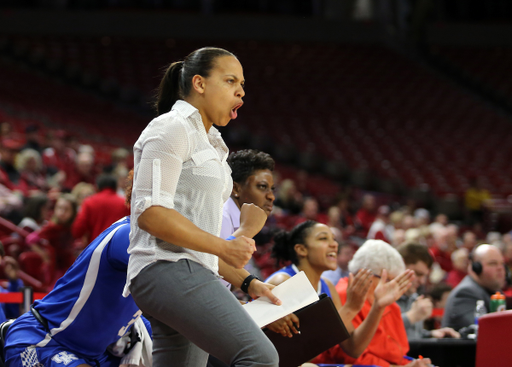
{"x":39,"y":318}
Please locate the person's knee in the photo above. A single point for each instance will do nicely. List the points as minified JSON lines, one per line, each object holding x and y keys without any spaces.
{"x":272,"y":356}
{"x":266,"y":355}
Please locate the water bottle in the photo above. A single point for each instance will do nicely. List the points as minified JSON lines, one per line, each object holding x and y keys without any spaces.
{"x":480,"y":310}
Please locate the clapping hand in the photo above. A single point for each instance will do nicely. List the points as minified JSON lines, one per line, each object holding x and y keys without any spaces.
{"x":388,"y":292}
{"x":357,"y":289}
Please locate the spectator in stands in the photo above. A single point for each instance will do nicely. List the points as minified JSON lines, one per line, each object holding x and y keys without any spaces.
{"x":311,"y":248}
{"x":408,"y":222}
{"x":389,"y":344}
{"x":475,"y":199}
{"x":442,"y":250}
{"x":422,"y":217}
{"x":346,"y":217}
{"x":36,"y":211}
{"x":54,"y":241}
{"x":289,"y":199}
{"x":366,"y":215}
{"x":310,"y":211}
{"x":58,"y":157}
{"x":418,"y":308}
{"x":460,"y":261}
{"x":30,"y":166}
{"x":345,"y":254}
{"x":507,"y":255}
{"x":83,"y":171}
{"x":440,"y":221}
{"x":81,"y":191}
{"x":10,"y":268}
{"x":486,"y":275}
{"x":439,"y":295}
{"x":10,"y":204}
{"x":99,"y":210}
{"x":469,"y":241}
{"x":381,"y":229}
{"x":33,"y":140}
{"x":9,"y":175}
{"x":334,"y":222}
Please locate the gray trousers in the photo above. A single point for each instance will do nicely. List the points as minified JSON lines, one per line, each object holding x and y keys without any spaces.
{"x":193,"y":314}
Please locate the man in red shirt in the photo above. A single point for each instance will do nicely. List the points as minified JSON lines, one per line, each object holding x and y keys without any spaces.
{"x":366,"y":215}
{"x":100,"y":210}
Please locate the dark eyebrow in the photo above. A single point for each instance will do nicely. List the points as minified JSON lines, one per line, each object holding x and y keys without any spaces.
{"x":236,"y":78}
{"x":322,"y":233}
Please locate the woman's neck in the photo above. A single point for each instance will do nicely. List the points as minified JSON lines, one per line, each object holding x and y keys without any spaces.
{"x":312,"y":274}
{"x":237,"y":201}
{"x":197,"y":104}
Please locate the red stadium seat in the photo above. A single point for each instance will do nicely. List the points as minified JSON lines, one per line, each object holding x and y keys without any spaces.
{"x":493,"y":345}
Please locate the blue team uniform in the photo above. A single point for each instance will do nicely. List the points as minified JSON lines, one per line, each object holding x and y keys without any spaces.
{"x":86,"y":311}
{"x":291,"y":270}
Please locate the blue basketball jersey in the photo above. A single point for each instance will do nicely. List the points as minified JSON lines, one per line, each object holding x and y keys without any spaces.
{"x":291,"y":270}
{"x":86,"y":311}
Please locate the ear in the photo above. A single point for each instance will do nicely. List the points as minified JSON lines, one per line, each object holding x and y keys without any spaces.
{"x":301,"y":250}
{"x":237,"y":189}
{"x":198,"y":84}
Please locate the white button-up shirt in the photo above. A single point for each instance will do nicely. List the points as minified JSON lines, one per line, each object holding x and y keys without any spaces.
{"x":178,"y":165}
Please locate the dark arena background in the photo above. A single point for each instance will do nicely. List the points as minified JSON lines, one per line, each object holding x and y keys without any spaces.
{"x":392,"y":110}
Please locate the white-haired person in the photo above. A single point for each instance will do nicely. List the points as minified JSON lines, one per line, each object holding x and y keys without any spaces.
{"x":311,"y":248}
{"x":389,"y":344}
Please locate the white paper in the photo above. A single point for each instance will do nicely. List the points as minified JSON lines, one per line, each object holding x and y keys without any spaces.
{"x":295,"y":293}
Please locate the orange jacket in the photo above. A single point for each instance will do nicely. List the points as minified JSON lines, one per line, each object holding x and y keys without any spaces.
{"x":388,"y":346}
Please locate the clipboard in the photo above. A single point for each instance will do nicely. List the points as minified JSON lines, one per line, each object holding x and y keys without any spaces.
{"x":320,"y":329}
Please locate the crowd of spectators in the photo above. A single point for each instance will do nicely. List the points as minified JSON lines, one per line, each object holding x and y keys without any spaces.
{"x":55,"y":197}
{"x":54,"y":190}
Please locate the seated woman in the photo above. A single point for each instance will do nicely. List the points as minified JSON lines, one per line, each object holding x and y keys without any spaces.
{"x":389,"y":344}
{"x":311,"y":247}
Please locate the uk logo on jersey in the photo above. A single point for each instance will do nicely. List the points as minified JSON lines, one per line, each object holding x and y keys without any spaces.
{"x":64,"y":357}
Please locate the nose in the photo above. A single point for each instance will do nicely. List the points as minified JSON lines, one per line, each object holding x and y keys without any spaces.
{"x":240,"y":92}
{"x":271,"y":196}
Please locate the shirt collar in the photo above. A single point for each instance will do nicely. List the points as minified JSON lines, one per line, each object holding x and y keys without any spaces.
{"x":213,"y":136}
{"x":234,"y":213}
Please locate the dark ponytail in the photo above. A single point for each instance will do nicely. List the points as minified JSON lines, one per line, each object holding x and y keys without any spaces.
{"x":177,"y":81}
{"x":284,"y":242}
{"x":169,"y":89}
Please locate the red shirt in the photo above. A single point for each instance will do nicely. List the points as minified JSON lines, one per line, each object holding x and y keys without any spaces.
{"x":98,"y":212}
{"x":455,"y":277}
{"x":388,"y":346}
{"x":365,"y":219}
{"x":60,"y":239}
{"x":443,"y":258}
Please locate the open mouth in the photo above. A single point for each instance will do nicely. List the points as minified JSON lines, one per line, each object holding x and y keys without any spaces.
{"x":233,"y":112}
{"x":332,"y":255}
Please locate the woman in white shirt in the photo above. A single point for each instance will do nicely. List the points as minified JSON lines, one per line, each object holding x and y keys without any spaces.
{"x":181,"y":182}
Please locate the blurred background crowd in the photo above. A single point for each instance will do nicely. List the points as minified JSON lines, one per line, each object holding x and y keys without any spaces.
{"x":382,"y":127}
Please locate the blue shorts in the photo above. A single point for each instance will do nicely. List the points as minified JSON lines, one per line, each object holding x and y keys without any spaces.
{"x":20,"y":348}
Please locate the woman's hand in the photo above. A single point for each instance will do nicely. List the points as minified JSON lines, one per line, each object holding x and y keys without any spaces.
{"x":238,"y":252}
{"x":388,"y":292}
{"x":252,"y":219}
{"x":357,"y":290}
{"x":286,"y":326}
{"x":259,"y":289}
{"x":425,"y":362}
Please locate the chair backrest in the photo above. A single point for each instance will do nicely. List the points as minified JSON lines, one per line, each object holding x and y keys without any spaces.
{"x":4,"y":327}
{"x":493,"y":344}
